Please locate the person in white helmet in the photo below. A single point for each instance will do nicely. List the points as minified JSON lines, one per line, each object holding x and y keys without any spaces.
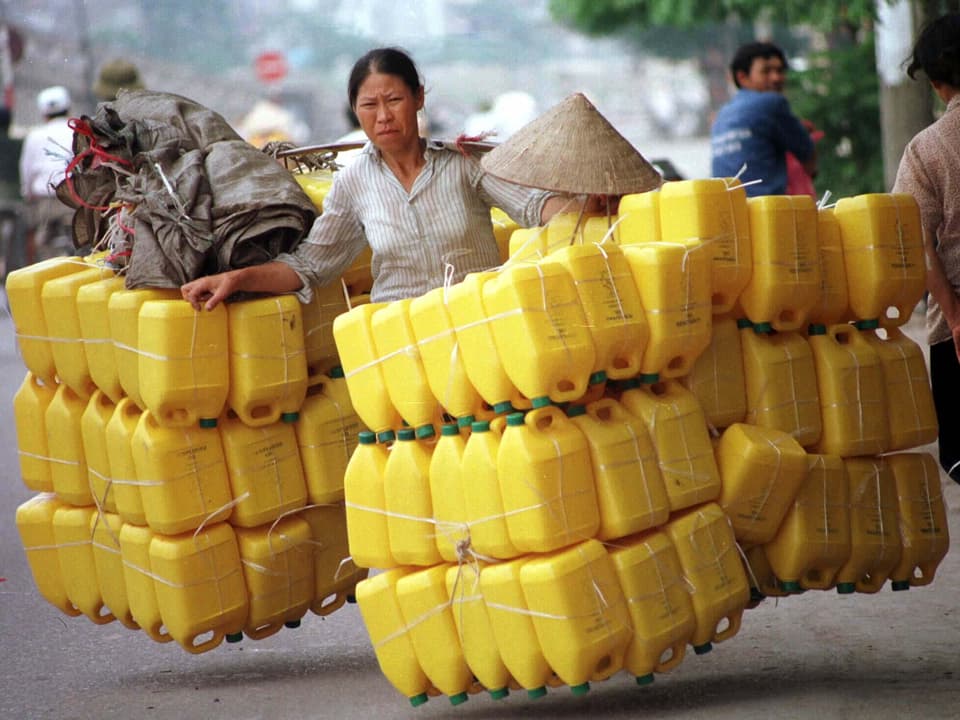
{"x":47,"y":150}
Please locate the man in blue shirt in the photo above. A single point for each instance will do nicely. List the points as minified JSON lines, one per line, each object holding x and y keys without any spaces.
{"x":757,"y":128}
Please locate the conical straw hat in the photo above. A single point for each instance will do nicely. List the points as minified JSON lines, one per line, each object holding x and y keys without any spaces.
{"x":572,"y":148}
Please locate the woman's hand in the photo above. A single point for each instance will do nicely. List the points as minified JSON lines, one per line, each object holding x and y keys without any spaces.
{"x":208,"y":292}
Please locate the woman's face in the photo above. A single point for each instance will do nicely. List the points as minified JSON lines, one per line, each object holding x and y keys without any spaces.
{"x":387,"y":110}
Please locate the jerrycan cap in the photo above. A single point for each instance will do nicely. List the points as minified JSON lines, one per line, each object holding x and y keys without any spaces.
{"x":502,"y":407}
{"x":366,"y":437}
{"x":897,"y":585}
{"x":292,"y":624}
{"x":756,"y":596}
{"x":336,"y":372}
{"x":385,"y":436}
{"x":846,"y":588}
{"x":703,"y":649}
{"x":763,"y":328}
{"x":289,"y":417}
{"x":208,"y":422}
{"x":743,"y":323}
{"x":580,"y":690}
{"x":406,"y":434}
{"x":465,"y":421}
{"x":817,"y":329}
{"x":539,"y":402}
{"x":424,"y":431}
{"x":481,"y":426}
{"x":790,"y":586}
{"x":576,"y":410}
{"x":598,"y":377}
{"x":649,"y":378}
{"x":500,"y":693}
{"x":418,"y":700}
{"x":535,"y":693}
{"x":449,"y":429}
{"x":514,"y":419}
{"x":645,"y":679}
{"x":233,"y":637}
{"x":459,"y":699}
{"x":871,"y":324}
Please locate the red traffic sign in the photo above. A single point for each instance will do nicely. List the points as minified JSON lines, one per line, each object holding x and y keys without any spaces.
{"x":270,"y":66}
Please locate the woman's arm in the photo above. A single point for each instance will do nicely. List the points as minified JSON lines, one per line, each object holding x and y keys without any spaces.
{"x":941,"y":290}
{"x":272,"y":277}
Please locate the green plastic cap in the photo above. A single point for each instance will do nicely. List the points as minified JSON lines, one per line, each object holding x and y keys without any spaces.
{"x":502,"y":407}
{"x":897,"y":585}
{"x":598,"y":377}
{"x":289,"y":417}
{"x":846,"y":588}
{"x":763,"y":328}
{"x":448,"y":429}
{"x":406,"y":434}
{"x":536,"y":693}
{"x":208,"y":422}
{"x":366,"y":437}
{"x":871,"y":324}
{"x":628,"y":384}
{"x":790,"y":586}
{"x":500,"y":693}
{"x":649,"y":378}
{"x":645,"y":679}
{"x":743,"y":323}
{"x":514,"y":419}
{"x":336,"y":371}
{"x":480,"y":426}
{"x":703,"y":649}
{"x":418,"y":700}
{"x":425,"y":431}
{"x":292,"y":624}
{"x":576,"y":410}
{"x":233,"y":637}
{"x":817,"y":329}
{"x":580,"y":690}
{"x":459,"y":698}
{"x":465,"y":421}
{"x":385,"y":436}
{"x":539,"y":402}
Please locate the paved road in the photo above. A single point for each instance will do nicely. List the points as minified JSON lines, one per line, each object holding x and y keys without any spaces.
{"x":890,"y":655}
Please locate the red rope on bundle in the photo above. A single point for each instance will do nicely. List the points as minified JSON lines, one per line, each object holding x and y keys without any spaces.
{"x":81,"y":127}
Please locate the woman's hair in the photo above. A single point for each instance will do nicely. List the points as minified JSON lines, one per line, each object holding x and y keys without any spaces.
{"x":388,"y":61}
{"x":937,"y":52}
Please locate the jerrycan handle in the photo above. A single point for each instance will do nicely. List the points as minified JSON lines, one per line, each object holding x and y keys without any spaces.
{"x":263,"y":631}
{"x":606,"y":410}
{"x":544,"y":419}
{"x":733,"y":626}
{"x":203,"y":647}
{"x":317,"y":383}
{"x":677,"y":651}
{"x":153,"y":631}
{"x":324,"y":607}
{"x":927,"y":571}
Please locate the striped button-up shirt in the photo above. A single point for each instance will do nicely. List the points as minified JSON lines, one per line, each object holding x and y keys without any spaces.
{"x":443,"y":220}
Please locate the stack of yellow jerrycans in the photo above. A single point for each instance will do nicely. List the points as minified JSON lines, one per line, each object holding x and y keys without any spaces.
{"x":601,"y":453}
{"x":188,"y":465}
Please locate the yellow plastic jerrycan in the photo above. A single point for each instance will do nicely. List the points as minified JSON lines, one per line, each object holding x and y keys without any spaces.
{"x":263,"y":465}
{"x":674,"y":283}
{"x":924,"y":531}
{"x":540,"y":330}
{"x":475,"y":342}
{"x":638,"y":218}
{"x":474,"y":630}
{"x":853,"y":401}
{"x":24,"y":288}
{"x":441,"y":353}
{"x":326,"y":435}
{"x":910,"y":412}
{"x":363,"y":369}
{"x":874,"y":526}
{"x":277,"y":561}
{"x":73,"y":538}
{"x":403,"y":368}
{"x":318,"y":315}
{"x":365,"y":500}
{"x":68,"y":465}
{"x":714,"y":573}
{"x":34,"y":520}
{"x":883,"y":254}
{"x":503,"y":227}
{"x":611,"y":305}
{"x":716,"y":378}
{"x":601,"y":229}
{"x":316,"y":184}
{"x":834,"y":304}
{"x":579,"y":613}
{"x":513,"y":628}
{"x":93,"y":432}
{"x":713,"y":211}
{"x":406,"y":484}
{"x":123,"y":313}
{"x":446,"y":493}
{"x":30,"y":405}
{"x":389,"y":635}
{"x":813,"y":541}
{"x":336,"y":574}
{"x":105,"y":534}
{"x":785,"y":280}
{"x":123,"y":472}
{"x":92,"y":303}
{"x":678,"y":429}
{"x":546,"y":481}
{"x":483,"y":501}
{"x":763,"y":581}
{"x":182,"y":475}
{"x":139,"y":580}
{"x":761,"y":470}
{"x":566,"y":229}
{"x":425,"y":605}
{"x":268,"y":364}
{"x":59,"y":299}
{"x":661,"y":611}
{"x":200,"y":587}
{"x":631,"y":495}
{"x":781,"y":381}
{"x":183,"y":365}
{"x":528,"y":245}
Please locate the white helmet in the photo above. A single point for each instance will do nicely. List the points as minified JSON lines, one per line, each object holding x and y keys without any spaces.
{"x":53,"y":100}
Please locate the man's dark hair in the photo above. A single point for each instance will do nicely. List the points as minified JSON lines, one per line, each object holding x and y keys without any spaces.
{"x":937,"y":51}
{"x":743,"y":59}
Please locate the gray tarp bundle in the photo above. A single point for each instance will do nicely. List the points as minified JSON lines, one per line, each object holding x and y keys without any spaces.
{"x":203,"y":200}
